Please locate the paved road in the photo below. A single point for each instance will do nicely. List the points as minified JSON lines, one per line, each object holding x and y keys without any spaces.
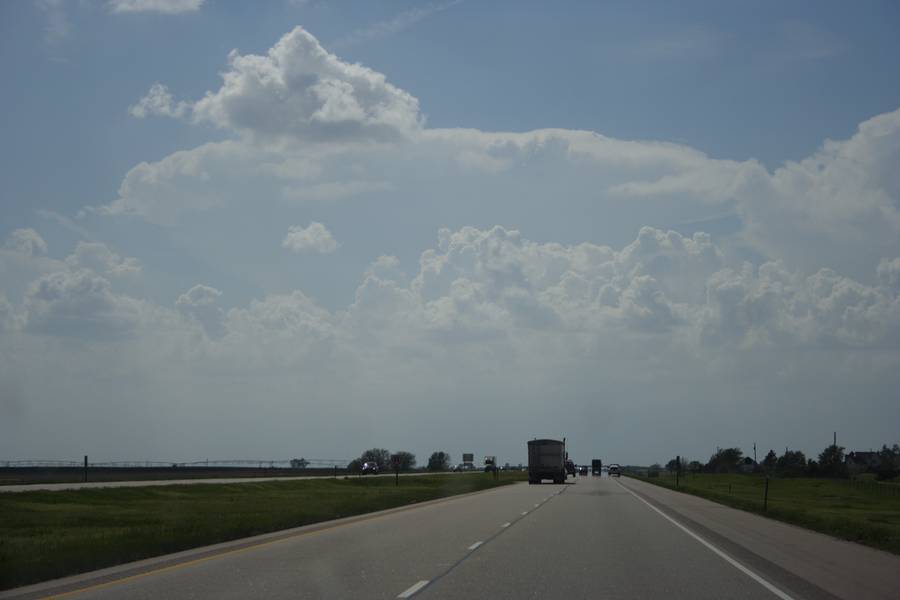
{"x":50,"y":487}
{"x":597,"y":538}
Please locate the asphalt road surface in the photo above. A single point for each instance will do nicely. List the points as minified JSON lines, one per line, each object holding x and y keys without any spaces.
{"x":594,"y":538}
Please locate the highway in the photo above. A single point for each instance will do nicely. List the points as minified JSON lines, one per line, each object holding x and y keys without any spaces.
{"x":592,"y":538}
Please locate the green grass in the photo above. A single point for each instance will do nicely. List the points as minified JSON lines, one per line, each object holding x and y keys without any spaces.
{"x":868,"y":513}
{"x":44,"y":535}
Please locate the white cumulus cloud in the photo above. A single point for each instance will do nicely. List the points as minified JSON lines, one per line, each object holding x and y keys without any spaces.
{"x":27,"y":242}
{"x":159,"y":102}
{"x":97,"y":257}
{"x":171,"y":7}
{"x":80,"y":304}
{"x":313,"y":238}
{"x":298,"y":91}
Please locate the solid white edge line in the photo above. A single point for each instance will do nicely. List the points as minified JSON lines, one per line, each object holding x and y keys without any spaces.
{"x":475,"y":545}
{"x":720,"y":553}
{"x":415,"y":588}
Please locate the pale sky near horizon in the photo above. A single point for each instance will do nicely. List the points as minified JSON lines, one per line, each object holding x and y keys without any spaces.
{"x":307,"y":228}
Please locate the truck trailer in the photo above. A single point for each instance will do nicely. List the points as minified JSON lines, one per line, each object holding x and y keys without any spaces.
{"x":596,"y":467}
{"x":547,"y":460}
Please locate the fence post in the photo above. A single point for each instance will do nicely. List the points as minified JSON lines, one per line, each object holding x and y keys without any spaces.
{"x":85,"y":468}
{"x":766,"y":496}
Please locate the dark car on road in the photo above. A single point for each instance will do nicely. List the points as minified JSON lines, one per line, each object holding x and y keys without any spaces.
{"x":369,"y":468}
{"x":570,"y":468}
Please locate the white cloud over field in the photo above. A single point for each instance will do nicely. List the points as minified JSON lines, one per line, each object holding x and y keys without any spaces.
{"x":492,"y":286}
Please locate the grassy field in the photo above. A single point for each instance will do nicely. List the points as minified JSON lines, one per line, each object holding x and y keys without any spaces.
{"x":44,"y":535}
{"x":27,"y":475}
{"x":864,"y":512}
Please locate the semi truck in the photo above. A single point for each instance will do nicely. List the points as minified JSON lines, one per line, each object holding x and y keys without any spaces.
{"x":596,"y":467}
{"x":547,"y":460}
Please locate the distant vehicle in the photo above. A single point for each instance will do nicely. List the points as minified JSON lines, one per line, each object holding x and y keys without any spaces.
{"x":570,"y":468}
{"x":583,"y":470}
{"x":490,"y":464}
{"x":615,"y":470}
{"x":370,"y":468}
{"x":547,"y":460}
{"x":596,"y":467}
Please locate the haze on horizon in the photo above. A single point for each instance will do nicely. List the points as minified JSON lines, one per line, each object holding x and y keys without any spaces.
{"x":311,"y":228}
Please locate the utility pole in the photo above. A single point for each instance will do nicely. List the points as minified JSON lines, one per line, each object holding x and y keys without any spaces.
{"x":754,"y":452}
{"x":834,"y":443}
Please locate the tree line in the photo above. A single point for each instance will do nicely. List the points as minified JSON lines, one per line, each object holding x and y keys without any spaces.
{"x":831,"y":462}
{"x":438,"y":461}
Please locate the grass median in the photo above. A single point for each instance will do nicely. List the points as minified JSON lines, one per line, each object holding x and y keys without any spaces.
{"x":868,"y":513}
{"x":45,"y":535}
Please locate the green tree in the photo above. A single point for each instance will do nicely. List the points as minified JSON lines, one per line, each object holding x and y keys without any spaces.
{"x":379,"y":456}
{"x":695,"y":466}
{"x":792,"y":463}
{"x":407,"y":460}
{"x":439,"y":461}
{"x":725,"y":460}
{"x":831,"y":462}
{"x":888,"y":461}
{"x":673,"y":465}
{"x":770,"y":461}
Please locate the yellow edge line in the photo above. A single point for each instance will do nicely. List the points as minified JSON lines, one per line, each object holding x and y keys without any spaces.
{"x":299,"y":534}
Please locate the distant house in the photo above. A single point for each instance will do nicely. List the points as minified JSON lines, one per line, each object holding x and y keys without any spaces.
{"x":860,"y":462}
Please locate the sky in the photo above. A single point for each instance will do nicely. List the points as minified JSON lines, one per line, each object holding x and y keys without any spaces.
{"x":308,"y":228}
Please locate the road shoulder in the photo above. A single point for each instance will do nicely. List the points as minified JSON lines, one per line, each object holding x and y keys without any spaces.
{"x":790,"y":556}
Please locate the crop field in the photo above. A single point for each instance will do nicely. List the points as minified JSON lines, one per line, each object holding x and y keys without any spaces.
{"x":45,"y":535}
{"x":861,"y":511}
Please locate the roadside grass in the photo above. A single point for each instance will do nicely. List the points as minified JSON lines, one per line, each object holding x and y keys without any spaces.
{"x":45,"y":535}
{"x":863,"y":512}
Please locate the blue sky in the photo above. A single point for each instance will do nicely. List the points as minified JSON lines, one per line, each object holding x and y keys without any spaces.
{"x":525,"y":198}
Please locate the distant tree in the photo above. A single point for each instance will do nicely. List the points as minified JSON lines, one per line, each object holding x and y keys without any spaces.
{"x":813,"y":469}
{"x":695,"y":466}
{"x":407,"y":460}
{"x":380,"y":456}
{"x":770,"y":461}
{"x":725,"y":460}
{"x":354,"y":465}
{"x":888,"y":462}
{"x":792,"y":463}
{"x":439,"y":461}
{"x":831,"y":462}
{"x":673,"y":465}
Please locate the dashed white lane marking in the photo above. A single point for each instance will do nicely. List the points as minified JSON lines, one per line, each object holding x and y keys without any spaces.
{"x":524,"y":512}
{"x":475,"y":545}
{"x":505,"y":525}
{"x":721,"y":554}
{"x":415,"y":588}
